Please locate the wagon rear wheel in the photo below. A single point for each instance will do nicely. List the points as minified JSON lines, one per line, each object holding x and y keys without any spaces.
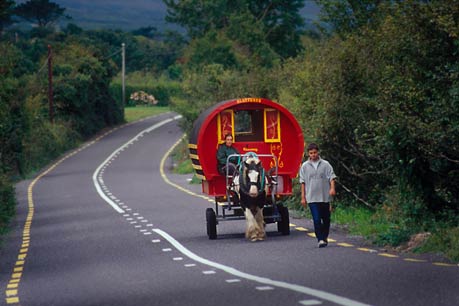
{"x":283,"y":226}
{"x":211,"y":219}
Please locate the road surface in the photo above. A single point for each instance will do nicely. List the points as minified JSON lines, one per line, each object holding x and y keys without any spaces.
{"x":108,"y":224}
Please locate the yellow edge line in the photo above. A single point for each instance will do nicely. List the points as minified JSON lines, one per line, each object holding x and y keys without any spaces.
{"x":388,"y":255}
{"x":12,"y":296}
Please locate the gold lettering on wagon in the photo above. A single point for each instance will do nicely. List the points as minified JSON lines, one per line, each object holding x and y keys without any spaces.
{"x":245,"y":100}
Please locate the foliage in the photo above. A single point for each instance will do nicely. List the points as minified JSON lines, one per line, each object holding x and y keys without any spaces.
{"x":214,"y":83}
{"x":81,"y":90}
{"x":346,"y":16}
{"x":185,"y":167}
{"x":7,"y":202}
{"x":443,"y":238}
{"x":382,"y":103}
{"x":6,"y":11}
{"x":83,"y":106}
{"x":182,"y":163}
{"x":43,"y":12}
{"x":252,"y":26}
{"x":213,"y":48}
{"x":12,"y":123}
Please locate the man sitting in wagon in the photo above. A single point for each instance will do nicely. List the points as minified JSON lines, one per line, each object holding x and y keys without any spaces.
{"x":224,"y":150}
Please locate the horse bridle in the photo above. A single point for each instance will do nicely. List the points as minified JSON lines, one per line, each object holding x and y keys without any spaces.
{"x":245,"y":186}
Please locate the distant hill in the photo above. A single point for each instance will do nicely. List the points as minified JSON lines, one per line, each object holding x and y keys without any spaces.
{"x":133,"y":14}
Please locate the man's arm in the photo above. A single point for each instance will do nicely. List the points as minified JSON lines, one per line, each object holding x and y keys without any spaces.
{"x":221,"y":156}
{"x":332,"y":188}
{"x":303,"y":196}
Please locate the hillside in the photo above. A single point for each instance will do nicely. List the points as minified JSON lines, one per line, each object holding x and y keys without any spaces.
{"x":133,"y":14}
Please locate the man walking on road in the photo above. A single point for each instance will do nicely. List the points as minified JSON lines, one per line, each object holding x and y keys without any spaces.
{"x":317,"y":187}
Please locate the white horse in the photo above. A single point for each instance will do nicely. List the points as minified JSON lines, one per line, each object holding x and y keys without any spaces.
{"x":251,"y":186}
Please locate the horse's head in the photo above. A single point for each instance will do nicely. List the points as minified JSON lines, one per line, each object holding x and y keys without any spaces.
{"x":252,"y":175}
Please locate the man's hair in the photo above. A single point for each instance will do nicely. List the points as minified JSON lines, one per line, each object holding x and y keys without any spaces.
{"x":229,"y":134}
{"x":312,"y":146}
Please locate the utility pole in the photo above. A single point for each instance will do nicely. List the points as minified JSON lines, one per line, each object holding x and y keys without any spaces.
{"x":123,"y":71}
{"x":50,"y":85}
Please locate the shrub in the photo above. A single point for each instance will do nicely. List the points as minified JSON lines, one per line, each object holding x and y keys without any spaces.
{"x":7,"y":201}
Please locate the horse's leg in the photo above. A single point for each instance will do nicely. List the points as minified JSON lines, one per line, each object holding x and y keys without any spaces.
{"x":251,"y":225}
{"x":260,"y":226}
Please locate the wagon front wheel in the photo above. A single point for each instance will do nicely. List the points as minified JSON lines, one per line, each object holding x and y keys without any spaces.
{"x":211,"y":220}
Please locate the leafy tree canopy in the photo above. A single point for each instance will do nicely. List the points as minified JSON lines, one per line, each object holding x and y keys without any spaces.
{"x":43,"y":12}
{"x":346,"y":16}
{"x":278,"y":21}
{"x":6,"y":10}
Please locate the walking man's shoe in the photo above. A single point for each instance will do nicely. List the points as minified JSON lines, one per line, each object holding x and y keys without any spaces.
{"x":322,"y":244}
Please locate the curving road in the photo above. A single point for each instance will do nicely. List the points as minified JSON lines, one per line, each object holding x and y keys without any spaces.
{"x":109,"y":225}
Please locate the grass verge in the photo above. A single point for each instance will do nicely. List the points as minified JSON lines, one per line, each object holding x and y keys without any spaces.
{"x":442,"y":239}
{"x":182,"y":161}
{"x":132,"y":114}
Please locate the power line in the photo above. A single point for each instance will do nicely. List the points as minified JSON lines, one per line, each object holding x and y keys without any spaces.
{"x":114,"y":53}
{"x":44,"y":65}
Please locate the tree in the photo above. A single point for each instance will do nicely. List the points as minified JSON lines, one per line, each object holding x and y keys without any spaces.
{"x":345,"y":16}
{"x":150,"y":32}
{"x":278,"y":21}
{"x":384,"y":102}
{"x":43,"y":12}
{"x":6,"y":10}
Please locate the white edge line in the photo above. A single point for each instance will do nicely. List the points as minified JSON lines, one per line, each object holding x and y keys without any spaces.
{"x":96,"y":173}
{"x":314,"y":292}
{"x":262,"y":280}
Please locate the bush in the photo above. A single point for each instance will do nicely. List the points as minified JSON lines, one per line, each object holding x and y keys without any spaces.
{"x":7,"y":202}
{"x":382,"y":103}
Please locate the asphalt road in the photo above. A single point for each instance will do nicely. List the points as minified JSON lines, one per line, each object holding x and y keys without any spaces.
{"x":110,"y":225}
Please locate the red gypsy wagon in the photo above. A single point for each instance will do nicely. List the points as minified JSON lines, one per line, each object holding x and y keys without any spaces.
{"x":262,"y":128}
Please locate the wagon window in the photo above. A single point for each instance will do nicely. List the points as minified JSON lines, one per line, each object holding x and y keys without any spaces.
{"x":243,"y":122}
{"x":248,"y":125}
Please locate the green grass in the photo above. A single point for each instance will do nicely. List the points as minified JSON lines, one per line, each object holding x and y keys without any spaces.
{"x":183,"y":162}
{"x":373,"y":225}
{"x":139,"y":112}
{"x":378,"y":227}
{"x":184,"y":167}
{"x":444,"y":241}
{"x":357,"y":220}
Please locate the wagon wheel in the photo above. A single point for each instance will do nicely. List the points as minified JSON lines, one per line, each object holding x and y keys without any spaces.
{"x":283,"y":226}
{"x":211,"y":219}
